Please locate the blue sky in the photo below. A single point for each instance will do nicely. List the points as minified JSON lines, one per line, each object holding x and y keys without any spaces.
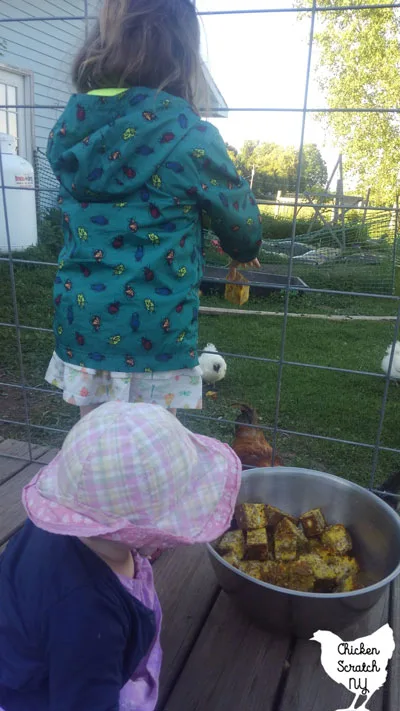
{"x":260,"y":61}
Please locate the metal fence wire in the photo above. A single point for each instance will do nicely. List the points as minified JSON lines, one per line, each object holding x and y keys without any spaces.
{"x":45,"y":200}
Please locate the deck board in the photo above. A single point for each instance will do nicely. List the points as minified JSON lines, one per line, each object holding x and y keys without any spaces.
{"x":393,"y":683}
{"x":12,"y":513}
{"x":234,"y":665}
{"x":10,"y":465}
{"x":308,"y":684}
{"x":187,"y":588}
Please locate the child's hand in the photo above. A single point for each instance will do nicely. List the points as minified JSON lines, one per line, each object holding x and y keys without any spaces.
{"x":254,"y":263}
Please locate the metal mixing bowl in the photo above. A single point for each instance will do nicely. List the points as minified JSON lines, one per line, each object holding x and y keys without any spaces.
{"x":373,"y":525}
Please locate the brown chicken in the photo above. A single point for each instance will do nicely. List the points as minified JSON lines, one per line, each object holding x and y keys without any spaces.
{"x":250,"y":444}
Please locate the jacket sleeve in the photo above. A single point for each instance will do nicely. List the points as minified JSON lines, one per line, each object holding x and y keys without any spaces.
{"x":86,"y":641}
{"x":227,"y":199}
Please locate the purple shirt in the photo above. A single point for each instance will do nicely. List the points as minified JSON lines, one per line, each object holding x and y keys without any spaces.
{"x":141,"y":692}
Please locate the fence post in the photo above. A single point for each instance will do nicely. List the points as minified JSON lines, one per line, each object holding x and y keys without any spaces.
{"x":396,"y":269}
{"x":278,"y":203}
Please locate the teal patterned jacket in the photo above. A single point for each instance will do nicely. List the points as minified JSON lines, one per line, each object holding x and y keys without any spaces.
{"x":136,"y":173}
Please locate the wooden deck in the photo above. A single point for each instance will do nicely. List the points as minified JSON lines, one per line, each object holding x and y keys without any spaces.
{"x":214,"y":658}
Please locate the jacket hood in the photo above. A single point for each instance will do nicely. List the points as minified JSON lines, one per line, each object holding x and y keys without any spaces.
{"x":131,"y":122}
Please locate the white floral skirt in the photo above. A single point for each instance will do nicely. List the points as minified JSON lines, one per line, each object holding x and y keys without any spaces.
{"x":180,"y":389}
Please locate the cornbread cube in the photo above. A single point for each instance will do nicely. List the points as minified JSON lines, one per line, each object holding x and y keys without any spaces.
{"x":325,"y":576}
{"x":337,"y":539}
{"x":251,"y":567}
{"x":250,"y":516}
{"x":232,"y":543}
{"x":348,"y":584}
{"x":343,"y":566}
{"x":297,"y":575}
{"x":256,"y":545}
{"x":269,"y":571}
{"x":315,"y":546}
{"x":285,"y":541}
{"x":302,"y":540}
{"x":232,"y":559}
{"x":271,"y":546}
{"x":313,"y":523}
{"x":275,"y":515}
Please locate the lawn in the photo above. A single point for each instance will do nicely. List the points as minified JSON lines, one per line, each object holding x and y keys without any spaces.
{"x":313,"y":401}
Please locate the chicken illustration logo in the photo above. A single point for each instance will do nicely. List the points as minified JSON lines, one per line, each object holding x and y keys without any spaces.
{"x":360,"y":666}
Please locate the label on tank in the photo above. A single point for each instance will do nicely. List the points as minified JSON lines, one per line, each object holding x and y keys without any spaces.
{"x":24,"y":180}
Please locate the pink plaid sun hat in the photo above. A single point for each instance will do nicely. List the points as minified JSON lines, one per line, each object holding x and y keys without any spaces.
{"x":134,"y":473}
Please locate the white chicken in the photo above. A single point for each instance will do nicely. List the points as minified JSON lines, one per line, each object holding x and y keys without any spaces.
{"x":213,"y":366}
{"x":360,"y":666}
{"x":395,"y":369}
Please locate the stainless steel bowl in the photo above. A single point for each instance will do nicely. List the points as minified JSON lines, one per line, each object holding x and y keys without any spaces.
{"x":375,"y":529}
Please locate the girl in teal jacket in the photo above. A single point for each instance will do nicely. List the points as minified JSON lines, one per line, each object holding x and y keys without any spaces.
{"x":137,"y":168}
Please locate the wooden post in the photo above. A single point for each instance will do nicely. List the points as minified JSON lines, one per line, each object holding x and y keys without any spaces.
{"x":365,"y":206}
{"x":253,"y":172}
{"x":278,"y":204}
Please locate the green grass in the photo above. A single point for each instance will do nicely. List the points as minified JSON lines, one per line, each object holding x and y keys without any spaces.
{"x":319,"y":402}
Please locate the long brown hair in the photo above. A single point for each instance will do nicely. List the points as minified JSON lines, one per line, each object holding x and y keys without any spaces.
{"x":153,"y":43}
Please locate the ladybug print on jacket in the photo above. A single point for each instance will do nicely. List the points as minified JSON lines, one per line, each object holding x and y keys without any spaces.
{"x":148,"y":274}
{"x":96,"y":323}
{"x":170,"y":257}
{"x":129,"y":291}
{"x":147,"y":345}
{"x":175,"y":167}
{"x":80,"y":113}
{"x":139,"y":254}
{"x":118,"y":242}
{"x":149,"y":115}
{"x":114,"y":308}
{"x":99,"y":220}
{"x":129,"y":172}
{"x":144,"y":151}
{"x":154,"y":239}
{"x":135,"y":322}
{"x":128,"y":134}
{"x":154,"y":211}
{"x":167,"y":137}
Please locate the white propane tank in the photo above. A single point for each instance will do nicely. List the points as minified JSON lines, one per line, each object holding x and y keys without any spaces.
{"x":20,"y":201}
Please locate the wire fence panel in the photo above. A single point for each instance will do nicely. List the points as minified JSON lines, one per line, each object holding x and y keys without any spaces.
{"x":324,"y":400}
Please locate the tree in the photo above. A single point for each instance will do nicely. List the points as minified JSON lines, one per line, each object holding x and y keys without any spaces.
{"x":358,"y":66}
{"x":276,"y":167}
{"x":314,"y":171}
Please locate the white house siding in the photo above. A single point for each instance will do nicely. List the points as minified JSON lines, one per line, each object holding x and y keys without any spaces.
{"x":45,"y":48}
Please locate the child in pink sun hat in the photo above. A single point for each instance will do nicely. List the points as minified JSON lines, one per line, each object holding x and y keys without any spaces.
{"x":79,"y":616}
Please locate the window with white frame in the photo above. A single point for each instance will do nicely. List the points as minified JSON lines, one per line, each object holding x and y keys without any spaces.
{"x":16,"y":90}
